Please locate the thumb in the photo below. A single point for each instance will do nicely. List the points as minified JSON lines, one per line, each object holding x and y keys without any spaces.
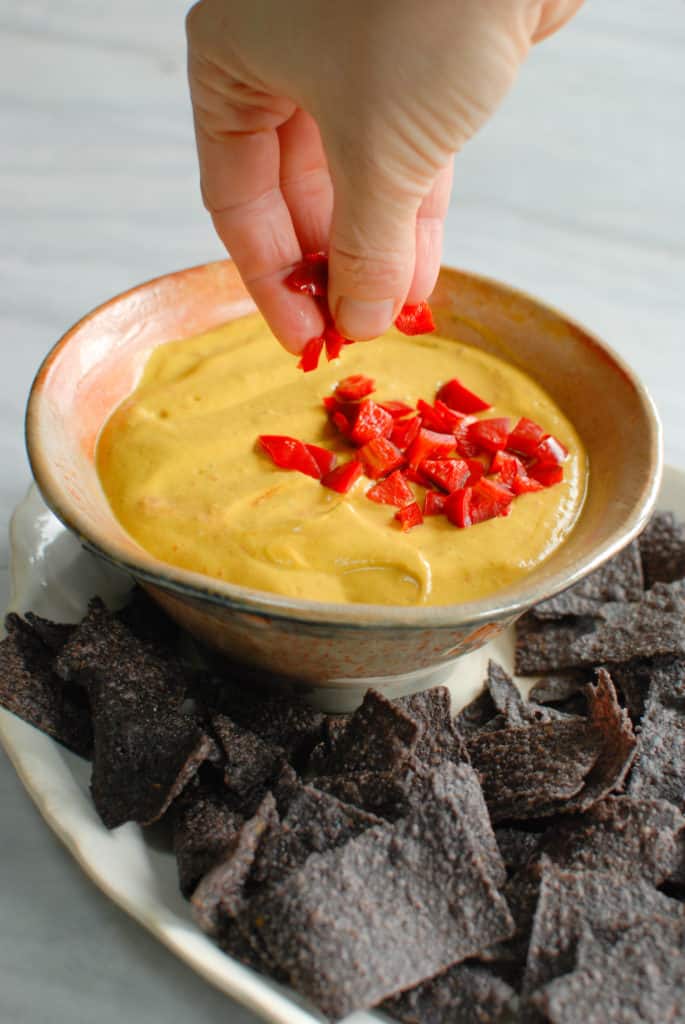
{"x":372,"y":247}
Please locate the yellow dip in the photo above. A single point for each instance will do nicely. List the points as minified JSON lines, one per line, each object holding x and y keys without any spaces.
{"x":180,"y":465}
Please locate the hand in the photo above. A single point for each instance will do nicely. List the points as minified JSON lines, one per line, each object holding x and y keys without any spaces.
{"x":333,"y":126}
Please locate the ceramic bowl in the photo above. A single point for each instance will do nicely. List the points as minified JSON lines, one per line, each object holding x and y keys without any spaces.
{"x":333,"y":652}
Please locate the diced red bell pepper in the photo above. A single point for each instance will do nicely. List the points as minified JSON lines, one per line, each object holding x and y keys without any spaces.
{"x":370,"y":421}
{"x":310,"y":276}
{"x":431,"y":418}
{"x":351,"y":389}
{"x":309,"y":357}
{"x":513,"y":473}
{"x":289,"y":453}
{"x":476,"y":471}
{"x":550,"y":452}
{"x":415,"y":319}
{"x":456,"y":396}
{"x":334,"y":342}
{"x":458,"y":507}
{"x":342,"y":478}
{"x":324,"y":458}
{"x":396,"y":409}
{"x":394,"y":490}
{"x":547,"y":475}
{"x":404,"y":431}
{"x":450,"y":474}
{"x":427,"y":445}
{"x":434,"y":503}
{"x":417,"y":477}
{"x":341,"y":421}
{"x":488,"y":500}
{"x":489,"y":434}
{"x":380,"y":457}
{"x":453,"y":420}
{"x":466,"y":448}
{"x":525,"y":437}
{"x":409,"y":516}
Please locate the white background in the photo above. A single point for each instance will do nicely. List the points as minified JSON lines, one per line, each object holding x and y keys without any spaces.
{"x":574,"y":192}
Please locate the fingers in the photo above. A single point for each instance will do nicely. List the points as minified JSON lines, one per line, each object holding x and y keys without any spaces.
{"x":429,"y":234}
{"x":554,"y":15}
{"x":305,"y":181}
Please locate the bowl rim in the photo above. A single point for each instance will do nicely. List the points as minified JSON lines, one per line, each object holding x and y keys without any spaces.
{"x":505,"y":604}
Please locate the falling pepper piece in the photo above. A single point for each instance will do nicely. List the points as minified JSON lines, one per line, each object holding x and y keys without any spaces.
{"x":416,"y":319}
{"x":310,"y":277}
{"x":309,"y":357}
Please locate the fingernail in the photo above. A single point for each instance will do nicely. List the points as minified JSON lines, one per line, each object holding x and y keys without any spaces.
{"x":361,"y":319}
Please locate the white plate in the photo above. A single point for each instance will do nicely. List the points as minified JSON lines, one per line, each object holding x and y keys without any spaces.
{"x":53,"y":576}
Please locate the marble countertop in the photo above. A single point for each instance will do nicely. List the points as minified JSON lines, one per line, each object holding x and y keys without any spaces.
{"x":573,"y":192}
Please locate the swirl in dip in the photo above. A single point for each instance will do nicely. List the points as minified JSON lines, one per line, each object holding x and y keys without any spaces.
{"x":180,"y":465}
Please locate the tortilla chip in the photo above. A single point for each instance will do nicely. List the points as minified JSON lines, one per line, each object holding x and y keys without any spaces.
{"x":572,"y":901}
{"x":468,"y":994}
{"x":439,"y":739}
{"x":221,"y":892}
{"x":659,"y":770}
{"x":548,"y":647}
{"x":622,"y":835}
{"x":389,"y":795}
{"x":636,"y":978}
{"x":631,"y":631}
{"x":205,"y":828}
{"x":619,"y":579}
{"x":478,"y":713}
{"x":521,"y":892}
{"x":517,"y":846}
{"x":251,"y":765}
{"x":312,"y":822}
{"x":388,"y":909}
{"x":509,"y":702}
{"x":30,"y":689}
{"x":533,"y":770}
{"x":54,"y":635}
{"x":557,"y":688}
{"x":379,"y":736}
{"x":662,"y":548}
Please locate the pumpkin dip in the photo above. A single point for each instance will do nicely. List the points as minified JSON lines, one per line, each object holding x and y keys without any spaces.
{"x":181,"y":467}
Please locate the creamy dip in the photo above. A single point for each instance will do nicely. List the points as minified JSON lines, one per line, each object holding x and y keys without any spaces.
{"x":181,"y":468}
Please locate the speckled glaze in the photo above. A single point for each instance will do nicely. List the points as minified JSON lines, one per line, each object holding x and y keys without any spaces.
{"x":335,"y":651}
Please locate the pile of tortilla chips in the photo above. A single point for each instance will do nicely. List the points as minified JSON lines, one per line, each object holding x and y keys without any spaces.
{"x":524,"y":861}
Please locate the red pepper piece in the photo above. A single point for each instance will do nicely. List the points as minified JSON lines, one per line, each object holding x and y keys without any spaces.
{"x":309,"y":357}
{"x":489,"y":434}
{"x":380,"y":457}
{"x":488,"y":500}
{"x":415,"y":319}
{"x":546,"y":475}
{"x":394,"y":490}
{"x":370,"y":421}
{"x":453,"y":420}
{"x":310,"y":276}
{"x":476,"y":470}
{"x":355,"y":387}
{"x":334,"y":342}
{"x":458,"y":507}
{"x":324,"y":459}
{"x":434,"y":503}
{"x":341,"y":421}
{"x":409,"y":516}
{"x":331,"y":404}
{"x":456,"y":396}
{"x":396,"y":409}
{"x":404,"y":431}
{"x":429,"y":444}
{"x":450,"y":474}
{"x":525,"y":437}
{"x":513,"y":473}
{"x":289,"y":453}
{"x":550,"y":452}
{"x":432,"y":419}
{"x":417,"y":477}
{"x":343,"y":477}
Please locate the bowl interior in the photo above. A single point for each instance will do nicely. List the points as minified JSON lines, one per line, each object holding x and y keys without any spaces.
{"x":98,"y":363}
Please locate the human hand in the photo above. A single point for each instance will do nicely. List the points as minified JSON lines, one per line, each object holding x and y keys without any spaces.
{"x":333,"y":127}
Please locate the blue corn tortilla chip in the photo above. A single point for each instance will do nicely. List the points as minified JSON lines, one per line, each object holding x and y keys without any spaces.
{"x":251,"y":765}
{"x":391,"y":907}
{"x":465,"y":993}
{"x":205,"y":827}
{"x":643,"y":630}
{"x":30,"y":689}
{"x":390,"y":795}
{"x":439,"y":739}
{"x":619,"y":579}
{"x":636,"y":977}
{"x":662,"y":549}
{"x":543,"y":647}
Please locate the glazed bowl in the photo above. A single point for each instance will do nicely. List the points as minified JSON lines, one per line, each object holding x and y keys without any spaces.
{"x":333,"y":652}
